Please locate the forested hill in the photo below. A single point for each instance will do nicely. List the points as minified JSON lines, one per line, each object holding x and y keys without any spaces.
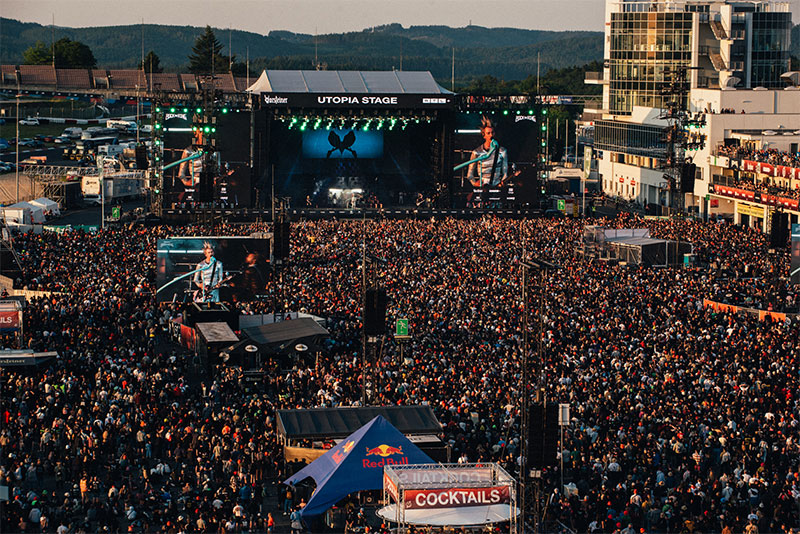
{"x":505,"y":53}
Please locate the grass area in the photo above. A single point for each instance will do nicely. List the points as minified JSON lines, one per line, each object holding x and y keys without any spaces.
{"x":9,"y":130}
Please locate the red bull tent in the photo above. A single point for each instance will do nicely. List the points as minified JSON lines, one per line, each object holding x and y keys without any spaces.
{"x":356,"y":464}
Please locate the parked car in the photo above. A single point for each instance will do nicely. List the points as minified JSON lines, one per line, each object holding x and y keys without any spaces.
{"x":62,"y":140}
{"x":30,"y":121}
{"x":4,"y":144}
{"x":31,"y":143}
{"x":6,"y":167}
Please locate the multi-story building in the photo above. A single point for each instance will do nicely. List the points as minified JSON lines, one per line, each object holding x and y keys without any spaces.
{"x":709,"y":57}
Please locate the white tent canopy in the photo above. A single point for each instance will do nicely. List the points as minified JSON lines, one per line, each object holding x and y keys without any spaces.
{"x":47,"y":205}
{"x":347,"y":82}
{"x":37,"y":213}
{"x":455,"y":517}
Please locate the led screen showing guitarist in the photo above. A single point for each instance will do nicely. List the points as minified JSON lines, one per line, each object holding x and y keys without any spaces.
{"x":209,"y":275}
{"x":491,"y":167}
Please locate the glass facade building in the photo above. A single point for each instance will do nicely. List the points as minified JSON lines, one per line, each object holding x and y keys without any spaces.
{"x":646,"y":50}
{"x":770,"y":48}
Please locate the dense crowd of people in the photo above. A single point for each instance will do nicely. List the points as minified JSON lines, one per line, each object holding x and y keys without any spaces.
{"x":767,"y":155}
{"x":683,"y":419}
{"x":769,"y":186}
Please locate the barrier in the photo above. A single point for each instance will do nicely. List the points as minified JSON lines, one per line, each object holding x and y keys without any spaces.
{"x":721,"y":307}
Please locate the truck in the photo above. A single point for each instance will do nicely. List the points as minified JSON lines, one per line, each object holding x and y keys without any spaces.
{"x":87,"y":147}
{"x":116,"y":189}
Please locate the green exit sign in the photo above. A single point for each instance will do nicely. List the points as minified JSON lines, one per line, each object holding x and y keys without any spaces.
{"x":401,"y":328}
{"x":116,"y":212}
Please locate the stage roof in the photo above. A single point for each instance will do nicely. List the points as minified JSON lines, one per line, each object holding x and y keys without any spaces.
{"x":285,"y":331}
{"x":347,"y":82}
{"x":333,"y":423}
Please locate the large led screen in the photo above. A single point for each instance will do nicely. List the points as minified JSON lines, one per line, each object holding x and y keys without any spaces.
{"x":211,"y":269}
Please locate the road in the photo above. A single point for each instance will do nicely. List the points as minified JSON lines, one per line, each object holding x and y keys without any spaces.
{"x":91,"y":216}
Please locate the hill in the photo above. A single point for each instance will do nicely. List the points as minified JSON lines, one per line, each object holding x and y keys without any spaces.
{"x":506,"y":53}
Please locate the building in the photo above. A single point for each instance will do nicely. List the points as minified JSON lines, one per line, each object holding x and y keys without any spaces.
{"x":708,"y":58}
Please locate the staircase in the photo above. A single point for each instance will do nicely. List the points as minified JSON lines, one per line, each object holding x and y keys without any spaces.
{"x":717,"y":61}
{"x":719,"y":30}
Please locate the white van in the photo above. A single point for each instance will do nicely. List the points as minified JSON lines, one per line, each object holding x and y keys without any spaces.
{"x":72,"y":133}
{"x":119,"y":124}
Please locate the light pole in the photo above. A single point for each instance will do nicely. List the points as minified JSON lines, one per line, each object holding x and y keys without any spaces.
{"x":102,"y":198}
{"x":542,"y":267}
{"x":17,"y":143}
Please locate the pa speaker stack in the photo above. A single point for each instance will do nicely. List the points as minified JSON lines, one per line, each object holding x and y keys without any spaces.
{"x":375,"y":312}
{"x":280,"y":240}
{"x":542,"y":435}
{"x":779,"y":232}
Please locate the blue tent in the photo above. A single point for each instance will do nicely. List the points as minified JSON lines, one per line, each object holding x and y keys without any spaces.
{"x":356,"y":464}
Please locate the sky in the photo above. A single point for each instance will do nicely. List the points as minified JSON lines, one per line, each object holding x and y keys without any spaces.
{"x":318,"y":16}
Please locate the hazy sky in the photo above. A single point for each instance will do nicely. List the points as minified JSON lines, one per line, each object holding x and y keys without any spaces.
{"x":322,"y":16}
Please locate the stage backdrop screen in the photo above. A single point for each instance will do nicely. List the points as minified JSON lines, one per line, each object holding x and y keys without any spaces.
{"x":347,"y":167}
{"x":342,"y":144}
{"x":240,"y":271}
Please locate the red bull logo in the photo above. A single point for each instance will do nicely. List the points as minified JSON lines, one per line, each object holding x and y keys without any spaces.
{"x":384,"y":451}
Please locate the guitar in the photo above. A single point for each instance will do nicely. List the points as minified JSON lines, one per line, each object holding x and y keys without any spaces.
{"x":204,"y":294}
{"x":476,"y":182}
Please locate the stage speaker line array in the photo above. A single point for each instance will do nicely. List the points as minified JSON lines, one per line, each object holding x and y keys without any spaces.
{"x":542,"y":435}
{"x":375,"y":312}
{"x":779,"y":231}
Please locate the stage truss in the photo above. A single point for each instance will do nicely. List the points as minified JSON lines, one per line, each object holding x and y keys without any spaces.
{"x":449,"y":495}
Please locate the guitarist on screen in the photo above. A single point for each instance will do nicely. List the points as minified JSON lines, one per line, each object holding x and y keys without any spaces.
{"x":489,"y":171}
{"x":209,"y":276}
{"x":489,"y":166}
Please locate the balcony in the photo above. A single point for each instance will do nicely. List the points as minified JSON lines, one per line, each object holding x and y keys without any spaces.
{"x":595,"y":78}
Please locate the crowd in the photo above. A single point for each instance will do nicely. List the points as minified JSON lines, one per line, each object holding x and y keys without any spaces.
{"x":683,"y":419}
{"x":769,"y":155}
{"x":770,"y":186}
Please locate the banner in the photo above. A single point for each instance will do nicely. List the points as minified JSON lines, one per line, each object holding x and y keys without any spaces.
{"x":9,"y":321}
{"x":389,"y":485}
{"x":456,"y":497}
{"x":778,"y":171}
{"x":752,"y":211}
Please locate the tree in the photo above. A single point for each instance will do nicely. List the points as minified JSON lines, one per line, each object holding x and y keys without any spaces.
{"x":68,"y":55}
{"x":206,"y":57}
{"x":152,"y":63}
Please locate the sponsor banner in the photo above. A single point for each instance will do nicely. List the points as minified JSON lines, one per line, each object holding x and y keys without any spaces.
{"x":720,"y":161}
{"x":720,"y":307}
{"x":756,"y":196}
{"x":433,"y":475}
{"x":456,"y":497}
{"x":734,"y":192}
{"x":778,"y":171}
{"x":349,"y":100}
{"x":752,"y":211}
{"x":776,"y":317}
{"x":188,"y":337}
{"x":389,"y":485}
{"x":9,"y":321}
